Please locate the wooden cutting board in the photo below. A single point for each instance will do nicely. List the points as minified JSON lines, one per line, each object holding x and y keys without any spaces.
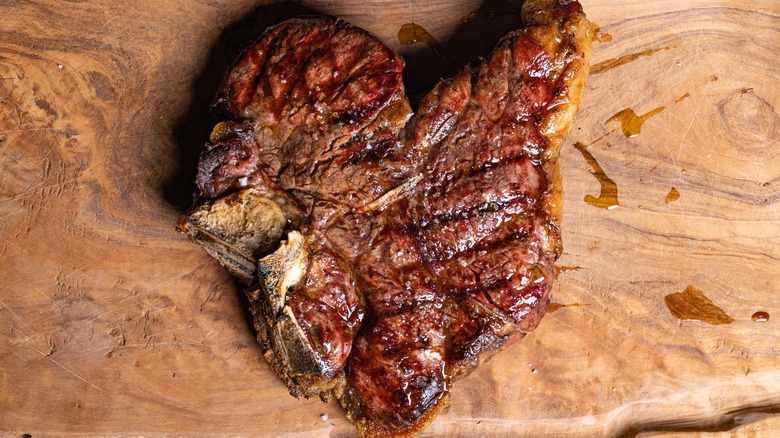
{"x":111,"y":323}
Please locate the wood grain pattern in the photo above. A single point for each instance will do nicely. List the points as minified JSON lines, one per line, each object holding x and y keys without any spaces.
{"x":112,"y":323}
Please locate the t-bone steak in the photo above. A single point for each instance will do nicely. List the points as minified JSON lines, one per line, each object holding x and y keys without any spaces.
{"x":385,"y":252}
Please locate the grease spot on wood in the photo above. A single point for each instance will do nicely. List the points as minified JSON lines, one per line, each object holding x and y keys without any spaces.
{"x":554,"y":307}
{"x":672,"y":196}
{"x":631,"y":123}
{"x":760,"y":316}
{"x":608,"y":196}
{"x":414,"y":33}
{"x":683,"y":97}
{"x":609,"y":64}
{"x":692,"y":304}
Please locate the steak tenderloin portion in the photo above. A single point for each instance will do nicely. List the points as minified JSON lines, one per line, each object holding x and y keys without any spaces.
{"x":409,"y":246}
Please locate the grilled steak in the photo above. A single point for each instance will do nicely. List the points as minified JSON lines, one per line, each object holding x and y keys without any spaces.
{"x":385,"y":254}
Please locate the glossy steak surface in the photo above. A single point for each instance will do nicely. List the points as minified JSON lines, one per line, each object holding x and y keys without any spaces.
{"x":411,"y":244}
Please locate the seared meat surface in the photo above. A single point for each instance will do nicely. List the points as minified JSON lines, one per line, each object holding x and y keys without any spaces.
{"x":411,"y":246}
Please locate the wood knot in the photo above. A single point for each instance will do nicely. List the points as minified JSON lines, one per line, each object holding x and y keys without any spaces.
{"x":751,"y":123}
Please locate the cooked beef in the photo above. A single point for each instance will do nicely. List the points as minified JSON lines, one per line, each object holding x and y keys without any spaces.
{"x":411,"y":248}
{"x":321,"y":102}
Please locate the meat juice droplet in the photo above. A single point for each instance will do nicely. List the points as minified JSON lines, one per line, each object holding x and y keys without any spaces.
{"x":602,"y":37}
{"x":608,"y":197}
{"x":631,"y":123}
{"x":609,"y":64}
{"x":692,"y":305}
{"x":411,"y":33}
{"x":673,"y":195}
{"x":683,"y":97}
{"x":760,"y":316}
{"x":554,"y":307}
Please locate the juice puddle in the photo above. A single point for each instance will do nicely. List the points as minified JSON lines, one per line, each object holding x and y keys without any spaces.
{"x":672,"y":196}
{"x":691,"y":304}
{"x":608,"y":197}
{"x":414,"y":33}
{"x":631,"y":123}
{"x":609,"y":64}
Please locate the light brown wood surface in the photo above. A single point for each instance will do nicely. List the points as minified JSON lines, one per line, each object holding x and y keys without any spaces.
{"x":111,"y":323}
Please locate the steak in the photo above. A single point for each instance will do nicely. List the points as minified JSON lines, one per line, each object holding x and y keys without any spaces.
{"x":385,"y":253}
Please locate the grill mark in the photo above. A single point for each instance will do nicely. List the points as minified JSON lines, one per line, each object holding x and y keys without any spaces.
{"x":397,"y":244}
{"x":514,"y":140}
{"x":519,"y":228}
{"x":483,"y":190}
{"x":374,"y":106}
{"x":523,"y":303}
{"x":467,"y":233}
{"x":481,"y":268}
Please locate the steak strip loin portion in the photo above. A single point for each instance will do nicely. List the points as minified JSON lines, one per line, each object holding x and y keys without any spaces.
{"x":409,"y":248}
{"x":464,"y":262}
